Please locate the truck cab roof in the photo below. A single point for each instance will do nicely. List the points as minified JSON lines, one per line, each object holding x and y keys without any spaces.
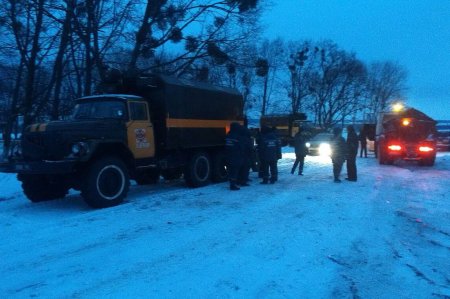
{"x":126,"y":97}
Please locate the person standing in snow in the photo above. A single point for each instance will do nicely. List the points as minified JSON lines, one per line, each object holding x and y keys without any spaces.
{"x":269,"y":152}
{"x":352,"y":152}
{"x":234,"y":154}
{"x":338,"y":153}
{"x":363,"y":142}
{"x":300,"y":152}
{"x":277,"y":137}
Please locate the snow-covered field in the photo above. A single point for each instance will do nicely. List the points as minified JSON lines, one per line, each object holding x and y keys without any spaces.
{"x":385,"y":236}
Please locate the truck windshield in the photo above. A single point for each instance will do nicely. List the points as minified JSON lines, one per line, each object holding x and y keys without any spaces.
{"x":99,"y":110}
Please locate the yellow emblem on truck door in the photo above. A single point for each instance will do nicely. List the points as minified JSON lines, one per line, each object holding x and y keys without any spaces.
{"x":141,"y":140}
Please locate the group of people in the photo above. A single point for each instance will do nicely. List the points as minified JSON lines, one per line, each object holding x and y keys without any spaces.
{"x":344,"y":150}
{"x":239,"y":151}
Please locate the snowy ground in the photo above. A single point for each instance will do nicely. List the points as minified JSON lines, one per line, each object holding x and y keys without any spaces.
{"x":386,"y":236}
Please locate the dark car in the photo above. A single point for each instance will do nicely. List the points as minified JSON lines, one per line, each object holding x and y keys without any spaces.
{"x":320,"y":145}
{"x":443,"y":141}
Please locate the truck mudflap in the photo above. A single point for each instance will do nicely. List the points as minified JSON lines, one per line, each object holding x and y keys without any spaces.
{"x":41,"y":167}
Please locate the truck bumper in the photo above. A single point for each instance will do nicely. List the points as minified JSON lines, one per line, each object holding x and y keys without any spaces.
{"x":41,"y":167}
{"x":410,"y":156}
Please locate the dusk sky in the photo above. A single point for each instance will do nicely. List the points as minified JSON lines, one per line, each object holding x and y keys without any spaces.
{"x":414,"y":33}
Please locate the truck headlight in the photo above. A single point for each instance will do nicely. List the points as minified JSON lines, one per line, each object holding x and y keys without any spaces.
{"x":308,"y":144}
{"x":80,"y":148}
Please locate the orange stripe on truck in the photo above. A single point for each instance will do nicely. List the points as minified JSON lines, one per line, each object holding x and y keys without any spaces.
{"x":199,"y":123}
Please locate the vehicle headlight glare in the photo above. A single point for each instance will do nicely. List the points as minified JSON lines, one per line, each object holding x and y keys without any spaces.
{"x":324,"y":149}
{"x":308,"y":144}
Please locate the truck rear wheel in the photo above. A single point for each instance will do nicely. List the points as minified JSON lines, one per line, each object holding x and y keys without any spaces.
{"x":219,"y":171}
{"x":106,"y":183}
{"x":198,"y":170}
{"x":39,"y":188}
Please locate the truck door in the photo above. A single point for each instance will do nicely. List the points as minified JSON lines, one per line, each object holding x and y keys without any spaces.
{"x":141,"y":140}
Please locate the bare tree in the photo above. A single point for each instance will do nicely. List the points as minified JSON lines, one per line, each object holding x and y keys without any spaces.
{"x":337,"y":84}
{"x":268,"y":65}
{"x":26,"y":43}
{"x":99,"y":25}
{"x":300,"y":67}
{"x":386,"y":82}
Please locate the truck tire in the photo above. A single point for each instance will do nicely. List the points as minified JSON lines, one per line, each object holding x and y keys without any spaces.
{"x":219,"y":167}
{"x":106,"y":184}
{"x":147,"y":177}
{"x":39,"y":188}
{"x":198,"y":170}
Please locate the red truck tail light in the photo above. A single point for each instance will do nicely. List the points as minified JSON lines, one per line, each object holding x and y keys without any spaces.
{"x":425,"y":149}
{"x":395,"y":147}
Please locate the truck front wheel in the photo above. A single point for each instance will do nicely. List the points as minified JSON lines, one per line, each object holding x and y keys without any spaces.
{"x":198,"y":170}
{"x":106,"y":183}
{"x":39,"y":188}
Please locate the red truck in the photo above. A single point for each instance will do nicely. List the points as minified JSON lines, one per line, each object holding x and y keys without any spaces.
{"x":408,"y":134}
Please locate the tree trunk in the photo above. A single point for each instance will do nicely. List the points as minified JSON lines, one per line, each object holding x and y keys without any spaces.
{"x":13,"y":110}
{"x":141,"y":35}
{"x":264,"y":103}
{"x":32,"y":66}
{"x":59,"y":61}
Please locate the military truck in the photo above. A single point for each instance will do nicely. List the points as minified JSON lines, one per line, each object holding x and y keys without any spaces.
{"x":408,"y":134}
{"x":287,"y":125}
{"x":144,"y":128}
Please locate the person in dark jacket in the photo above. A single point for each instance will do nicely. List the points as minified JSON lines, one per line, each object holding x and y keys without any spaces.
{"x":300,"y":152}
{"x":363,"y":142}
{"x":338,"y":153}
{"x":234,"y":153}
{"x":352,"y":152}
{"x":269,"y":152}
{"x":247,"y":142}
{"x":276,"y":134}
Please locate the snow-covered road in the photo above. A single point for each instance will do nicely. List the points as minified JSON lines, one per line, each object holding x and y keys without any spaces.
{"x":385,"y":236}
